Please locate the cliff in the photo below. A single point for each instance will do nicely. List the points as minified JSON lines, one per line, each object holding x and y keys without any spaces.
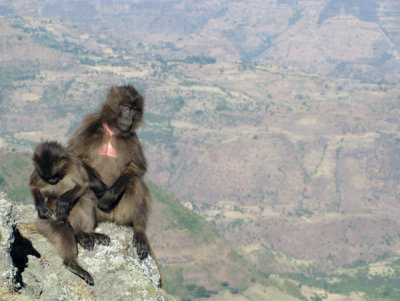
{"x":31,"y":268}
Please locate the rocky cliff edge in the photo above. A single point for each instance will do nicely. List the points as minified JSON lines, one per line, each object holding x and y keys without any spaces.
{"x":31,"y":268}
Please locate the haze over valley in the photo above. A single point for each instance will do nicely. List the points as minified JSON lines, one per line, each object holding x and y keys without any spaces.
{"x":274,"y":125}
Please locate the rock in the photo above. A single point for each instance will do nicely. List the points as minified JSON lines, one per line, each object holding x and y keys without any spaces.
{"x":7,"y":224}
{"x":32,"y":266}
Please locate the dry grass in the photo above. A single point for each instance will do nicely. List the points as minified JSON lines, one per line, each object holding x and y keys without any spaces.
{"x":7,"y":294}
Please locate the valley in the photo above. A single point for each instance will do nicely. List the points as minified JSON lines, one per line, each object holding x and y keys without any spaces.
{"x":286,"y":152}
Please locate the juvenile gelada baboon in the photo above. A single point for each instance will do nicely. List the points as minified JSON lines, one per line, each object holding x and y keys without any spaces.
{"x":65,"y":204}
{"x":107,"y":142}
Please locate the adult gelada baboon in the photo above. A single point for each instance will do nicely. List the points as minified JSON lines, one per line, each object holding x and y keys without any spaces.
{"x":65,"y":203}
{"x":107,"y":142}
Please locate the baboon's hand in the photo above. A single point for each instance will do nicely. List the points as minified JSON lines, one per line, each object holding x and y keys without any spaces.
{"x":62,"y":209}
{"x":108,"y":201}
{"x":142,"y":245}
{"x":86,"y":240}
{"x":102,"y":239}
{"x":44,"y":212}
{"x":98,"y":187}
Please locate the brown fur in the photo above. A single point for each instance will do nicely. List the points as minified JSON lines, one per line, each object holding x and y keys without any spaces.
{"x":127,"y":200}
{"x":66,"y":205}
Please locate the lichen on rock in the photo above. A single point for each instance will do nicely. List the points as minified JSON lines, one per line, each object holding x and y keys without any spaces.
{"x":31,"y":266}
{"x":7,"y":223}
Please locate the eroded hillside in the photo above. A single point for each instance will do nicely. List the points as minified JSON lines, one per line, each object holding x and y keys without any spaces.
{"x":275,"y":151}
{"x":276,"y":143}
{"x":354,"y":39}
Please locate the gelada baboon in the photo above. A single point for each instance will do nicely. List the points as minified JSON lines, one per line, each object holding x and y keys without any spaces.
{"x":65,"y":204}
{"x":107,"y":142}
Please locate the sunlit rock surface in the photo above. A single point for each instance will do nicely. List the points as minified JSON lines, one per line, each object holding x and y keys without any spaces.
{"x":31,"y":266}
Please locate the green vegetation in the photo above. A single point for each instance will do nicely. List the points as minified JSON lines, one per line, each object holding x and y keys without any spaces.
{"x":41,"y":36}
{"x":173,"y":281}
{"x":174,"y":284}
{"x":87,"y":61}
{"x":14,"y":175}
{"x":204,"y":233}
{"x":175,"y":104}
{"x":10,"y":75}
{"x":157,"y":135}
{"x":200,"y":60}
{"x":180,"y":217}
{"x":292,"y":289}
{"x":155,"y":118}
{"x":338,"y":200}
{"x":188,"y":83}
{"x":222,"y":107}
{"x":199,"y":291}
{"x":286,"y":286}
{"x":303,"y":211}
{"x":158,"y":128}
{"x":195,"y":59}
{"x":212,"y":109}
{"x":374,"y":286}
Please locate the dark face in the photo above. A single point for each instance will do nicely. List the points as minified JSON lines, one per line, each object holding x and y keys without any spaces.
{"x":50,"y":161}
{"x":129,"y":113}
{"x":125,"y":120}
{"x":123,"y":109}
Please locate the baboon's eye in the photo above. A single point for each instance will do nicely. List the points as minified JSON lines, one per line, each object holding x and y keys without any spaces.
{"x":124,"y":107}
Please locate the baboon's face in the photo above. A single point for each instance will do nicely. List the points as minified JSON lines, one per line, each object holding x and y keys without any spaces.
{"x":50,"y":161}
{"x":123,"y":108}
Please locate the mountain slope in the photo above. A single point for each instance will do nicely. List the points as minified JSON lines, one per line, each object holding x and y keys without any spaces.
{"x":352,"y":39}
{"x":275,"y":157}
{"x":196,"y":261}
{"x":259,"y":149}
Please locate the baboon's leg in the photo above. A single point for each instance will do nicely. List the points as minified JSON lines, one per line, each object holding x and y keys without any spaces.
{"x":161,"y":284}
{"x":141,"y":208}
{"x":101,"y":238}
{"x":83,"y":220}
{"x":87,"y":240}
{"x":75,"y":268}
{"x":61,"y":234}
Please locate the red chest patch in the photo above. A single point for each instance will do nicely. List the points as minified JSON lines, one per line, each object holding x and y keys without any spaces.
{"x":107,"y":149}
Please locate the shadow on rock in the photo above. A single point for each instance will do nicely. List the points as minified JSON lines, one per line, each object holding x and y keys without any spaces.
{"x":20,"y":249}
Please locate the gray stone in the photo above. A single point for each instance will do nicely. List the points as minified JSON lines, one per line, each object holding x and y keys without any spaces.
{"x":7,"y":222}
{"x":117,"y":271}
